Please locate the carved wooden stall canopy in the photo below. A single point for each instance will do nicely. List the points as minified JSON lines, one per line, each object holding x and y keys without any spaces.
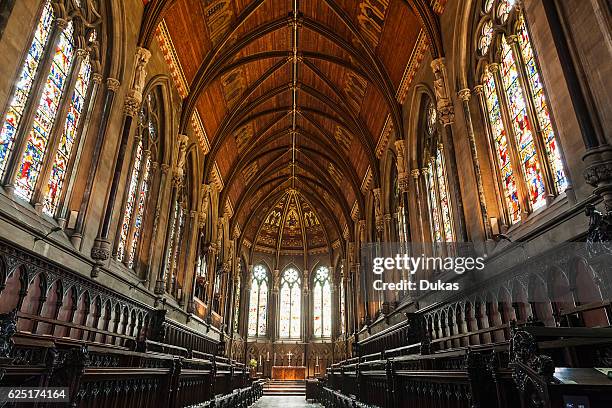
{"x":293,"y":94}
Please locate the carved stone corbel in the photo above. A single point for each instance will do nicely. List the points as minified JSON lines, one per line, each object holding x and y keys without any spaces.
{"x":444,"y":103}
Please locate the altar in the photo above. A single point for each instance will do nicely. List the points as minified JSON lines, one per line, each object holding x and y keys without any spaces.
{"x":288,"y":373}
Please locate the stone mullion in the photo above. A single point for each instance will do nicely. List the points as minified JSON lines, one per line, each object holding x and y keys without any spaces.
{"x":549,"y":178}
{"x":152,"y":261}
{"x":31,"y":105}
{"x":77,"y":148}
{"x":112,"y":85}
{"x":464,"y":95}
{"x":129,"y":245}
{"x":494,"y":160}
{"x":512,"y":143}
{"x":434,"y":168}
{"x":126,"y":192}
{"x":425,"y":201}
{"x":57,"y":130}
{"x":273,"y":321}
{"x":454,"y":184}
{"x":160,"y":285}
{"x":419,"y":225}
{"x":211,"y":264}
{"x":172,"y":250}
{"x":191,"y":232}
{"x":153,"y":172}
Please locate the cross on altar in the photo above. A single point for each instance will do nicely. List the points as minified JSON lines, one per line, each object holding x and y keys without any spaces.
{"x":289,"y":354}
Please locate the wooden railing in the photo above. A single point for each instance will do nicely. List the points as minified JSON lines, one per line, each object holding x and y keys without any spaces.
{"x":514,"y":373}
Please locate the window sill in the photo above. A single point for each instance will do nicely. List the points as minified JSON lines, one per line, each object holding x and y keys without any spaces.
{"x":38,"y":223}
{"x":519,"y":230}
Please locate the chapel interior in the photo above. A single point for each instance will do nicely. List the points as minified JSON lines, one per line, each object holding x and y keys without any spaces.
{"x":192,"y":193}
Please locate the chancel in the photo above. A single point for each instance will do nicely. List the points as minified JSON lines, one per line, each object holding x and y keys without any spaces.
{"x":300,"y":203}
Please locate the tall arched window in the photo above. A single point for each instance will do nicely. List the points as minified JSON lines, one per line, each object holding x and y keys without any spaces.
{"x":237,"y":289}
{"x":321,"y":299}
{"x":290,"y":304}
{"x":434,"y":166}
{"x":529,"y":167}
{"x":397,"y":209}
{"x":146,"y":151}
{"x":178,"y":219}
{"x":342,"y":305}
{"x":258,"y":302}
{"x":43,"y":123}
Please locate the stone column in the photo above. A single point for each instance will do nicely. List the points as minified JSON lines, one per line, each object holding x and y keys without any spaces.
{"x":465,"y":95}
{"x":100,"y":252}
{"x":446,"y":115}
{"x":112,"y":86}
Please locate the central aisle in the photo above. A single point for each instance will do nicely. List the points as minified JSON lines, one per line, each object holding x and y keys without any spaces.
{"x":284,"y":402}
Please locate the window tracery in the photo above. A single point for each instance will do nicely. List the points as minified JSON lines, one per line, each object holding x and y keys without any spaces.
{"x":321,"y":293}
{"x":37,"y":148}
{"x":529,"y":165}
{"x":258,"y":302}
{"x":290,"y":304}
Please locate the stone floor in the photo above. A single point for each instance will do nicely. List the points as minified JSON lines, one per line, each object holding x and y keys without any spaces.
{"x":284,"y":402}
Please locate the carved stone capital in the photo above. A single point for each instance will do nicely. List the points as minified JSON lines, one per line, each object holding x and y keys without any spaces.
{"x":415,"y":173}
{"x":464,"y":94}
{"x":131,"y":105}
{"x":97,"y":78}
{"x":478,"y":90}
{"x":113,"y":84}
{"x":101,"y":250}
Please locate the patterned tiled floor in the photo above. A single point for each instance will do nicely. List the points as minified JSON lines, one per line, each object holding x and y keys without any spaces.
{"x":284,"y":402}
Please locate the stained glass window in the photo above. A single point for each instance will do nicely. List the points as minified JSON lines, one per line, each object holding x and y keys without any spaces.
{"x":519,"y":117}
{"x":237,"y":293}
{"x":67,"y":139}
{"x":290,"y":304}
{"x":436,"y":180}
{"x":23,"y":86}
{"x":258,"y":302}
{"x":322,"y":303}
{"x":501,"y":147}
{"x":486,"y":36}
{"x":46,"y":134}
{"x":517,"y":107}
{"x":342,"y":306}
{"x":44,"y":118}
{"x":539,"y":99}
{"x":135,"y":206}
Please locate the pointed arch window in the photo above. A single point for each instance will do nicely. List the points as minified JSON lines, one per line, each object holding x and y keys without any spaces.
{"x":43,"y":122}
{"x":178,"y":221}
{"x":397,"y":207}
{"x":321,"y":297}
{"x":438,"y":197}
{"x":342,"y":305}
{"x":258,"y":302}
{"x":290,"y":304}
{"x":237,"y":294}
{"x":529,"y":166}
{"x":146,"y":153}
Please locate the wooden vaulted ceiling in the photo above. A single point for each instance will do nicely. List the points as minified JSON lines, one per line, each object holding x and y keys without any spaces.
{"x":293,"y":95}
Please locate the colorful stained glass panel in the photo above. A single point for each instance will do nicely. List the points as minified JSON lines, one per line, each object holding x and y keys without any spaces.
{"x":44,"y":118}
{"x":129,"y":206}
{"x":23,"y":87}
{"x":501,"y":146}
{"x":523,"y":129}
{"x":543,"y":114}
{"x":67,"y":140}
